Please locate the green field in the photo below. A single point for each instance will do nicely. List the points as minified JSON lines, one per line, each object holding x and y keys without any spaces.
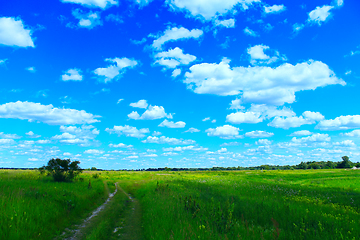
{"x":292,"y":204}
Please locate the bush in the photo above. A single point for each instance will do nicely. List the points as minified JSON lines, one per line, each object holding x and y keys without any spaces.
{"x":62,"y":170}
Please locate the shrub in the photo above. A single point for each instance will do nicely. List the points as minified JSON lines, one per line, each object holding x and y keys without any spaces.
{"x":62,"y":170}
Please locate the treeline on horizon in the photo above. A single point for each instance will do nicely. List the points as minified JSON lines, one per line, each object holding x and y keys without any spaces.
{"x":345,"y":163}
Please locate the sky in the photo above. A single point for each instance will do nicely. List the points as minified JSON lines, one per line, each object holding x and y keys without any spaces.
{"x":140,"y":84}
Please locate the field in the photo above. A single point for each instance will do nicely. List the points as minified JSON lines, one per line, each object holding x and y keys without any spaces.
{"x":292,"y":204}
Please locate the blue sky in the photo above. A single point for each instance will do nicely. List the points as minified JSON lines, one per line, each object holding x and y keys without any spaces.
{"x":179,"y":83}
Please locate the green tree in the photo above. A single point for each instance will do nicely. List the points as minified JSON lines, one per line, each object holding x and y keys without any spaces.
{"x":62,"y":170}
{"x":346,"y":163}
{"x":303,"y":165}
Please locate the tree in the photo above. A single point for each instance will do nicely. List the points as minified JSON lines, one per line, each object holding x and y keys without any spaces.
{"x":346,"y":163}
{"x":62,"y":170}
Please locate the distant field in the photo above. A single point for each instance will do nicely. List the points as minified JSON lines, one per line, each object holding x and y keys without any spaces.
{"x":292,"y":204}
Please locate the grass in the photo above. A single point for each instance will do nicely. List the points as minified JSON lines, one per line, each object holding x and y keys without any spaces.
{"x":299,"y":204}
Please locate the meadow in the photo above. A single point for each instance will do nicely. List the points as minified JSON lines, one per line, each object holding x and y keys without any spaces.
{"x":291,"y":204}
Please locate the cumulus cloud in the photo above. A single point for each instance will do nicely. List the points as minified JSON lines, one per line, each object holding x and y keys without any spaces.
{"x":13,"y":33}
{"x":259,"y":84}
{"x":250,"y":32}
{"x":297,"y":27}
{"x":258,"y":57}
{"x":94,"y":151}
{"x":317,"y":137}
{"x":176,"y":73}
{"x":258,"y":113}
{"x":258,"y":134}
{"x":120,"y":145}
{"x":224,"y":132}
{"x":152,"y":113}
{"x":192,"y":130}
{"x":167,"y":140}
{"x":103,"y":4}
{"x":128,"y":131}
{"x":263,"y":142}
{"x":301,"y":133}
{"x":289,"y":122}
{"x":274,"y":8}
{"x":31,"y":134}
{"x":86,"y":20}
{"x":319,"y":14}
{"x":9,"y":136}
{"x":140,"y":104}
{"x":84,"y":135}
{"x":175,"y":34}
{"x":116,"y":70}
{"x":345,"y":143}
{"x":72,"y":74}
{"x":170,"y":124}
{"x":173,"y":58}
{"x":236,"y":105}
{"x":206,"y":10}
{"x":354,"y":133}
{"x":180,"y":149}
{"x":30,"y":69}
{"x":244,"y":117}
{"x":46,"y":113}
{"x":340,"y":123}
{"x":228,"y":23}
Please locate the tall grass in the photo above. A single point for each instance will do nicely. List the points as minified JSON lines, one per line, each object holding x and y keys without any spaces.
{"x":33,"y":206}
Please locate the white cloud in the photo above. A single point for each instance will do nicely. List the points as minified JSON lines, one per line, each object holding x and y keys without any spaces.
{"x":317,"y":137}
{"x":297,"y":27}
{"x":156,"y":133}
{"x":174,"y":34}
{"x":121,"y":99}
{"x":259,"y":84}
{"x":86,"y":20}
{"x":94,"y":151}
{"x":301,"y":133}
{"x":2,"y":61}
{"x":30,"y":69}
{"x":115,"y":18}
{"x":354,"y":133}
{"x":289,"y":122}
{"x":128,"y":131}
{"x":170,"y":124}
{"x":13,"y":33}
{"x":143,"y":3}
{"x":192,"y":130}
{"x":115,"y":71}
{"x":45,"y":113}
{"x":209,"y":9}
{"x":258,"y":134}
{"x":120,"y":145}
{"x":103,"y":4}
{"x":6,"y":141}
{"x":72,"y":74}
{"x":338,"y":3}
{"x":155,"y":112}
{"x":263,"y":142}
{"x":320,"y":14}
{"x":140,"y":104}
{"x":176,"y":73}
{"x":224,"y":132}
{"x":258,"y":57}
{"x":213,"y":121}
{"x":340,"y":123}
{"x":173,"y":58}
{"x":244,"y":117}
{"x":250,"y":32}
{"x":167,"y":140}
{"x":180,"y":149}
{"x":228,"y":23}
{"x":32,"y":134}
{"x":206,"y":119}
{"x":274,"y":8}
{"x":84,"y":135}
{"x":134,"y":115}
{"x":10,"y":136}
{"x":345,"y":143}
{"x":236,"y":105}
